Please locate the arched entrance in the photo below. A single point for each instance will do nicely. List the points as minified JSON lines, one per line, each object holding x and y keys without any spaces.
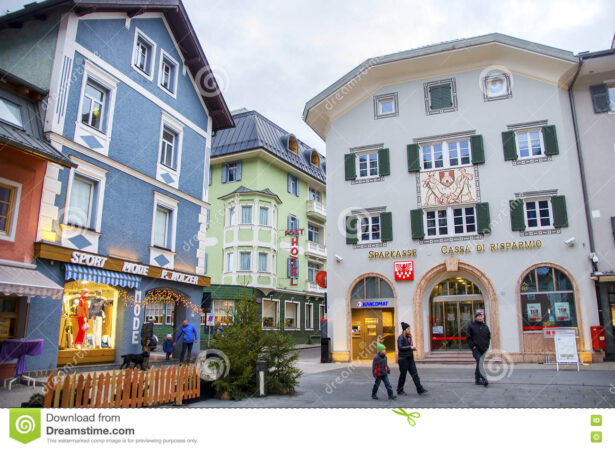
{"x":452,"y":305}
{"x":372,"y":306}
{"x":455,"y":269}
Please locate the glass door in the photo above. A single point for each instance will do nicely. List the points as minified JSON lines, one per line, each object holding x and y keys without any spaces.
{"x":449,"y":322}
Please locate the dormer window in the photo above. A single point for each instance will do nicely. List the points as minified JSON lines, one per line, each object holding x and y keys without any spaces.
{"x":315,"y":158}
{"x":10,"y":112}
{"x":292,"y":144}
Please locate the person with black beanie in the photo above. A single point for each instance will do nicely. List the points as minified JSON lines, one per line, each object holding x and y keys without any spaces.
{"x":406,"y":362}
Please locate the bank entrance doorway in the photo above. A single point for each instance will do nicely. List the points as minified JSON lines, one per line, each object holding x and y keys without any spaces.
{"x":373,"y":318}
{"x":452,"y":306}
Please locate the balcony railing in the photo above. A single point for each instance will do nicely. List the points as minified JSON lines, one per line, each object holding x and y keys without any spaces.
{"x":316,"y":249}
{"x":313,"y":287}
{"x":316,"y":209}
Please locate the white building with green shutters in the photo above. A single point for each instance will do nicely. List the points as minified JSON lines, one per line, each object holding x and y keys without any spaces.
{"x":454,"y":185}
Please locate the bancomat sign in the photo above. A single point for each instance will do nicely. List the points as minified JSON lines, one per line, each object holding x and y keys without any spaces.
{"x":375,"y":304}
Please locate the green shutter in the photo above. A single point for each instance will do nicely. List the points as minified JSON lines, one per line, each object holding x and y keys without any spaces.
{"x":416,"y":224}
{"x":560,"y":215}
{"x":550,"y":139}
{"x":600,"y":97}
{"x":440,"y":96}
{"x":517,"y":219}
{"x":414,"y":159}
{"x":351,"y":167}
{"x":478,"y":151}
{"x":483,"y":219}
{"x":386,"y":226}
{"x":510,"y":147}
{"x":351,"y":230}
{"x":384,"y":166}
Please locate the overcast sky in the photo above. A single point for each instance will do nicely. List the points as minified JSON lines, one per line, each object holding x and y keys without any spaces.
{"x":273,"y":56}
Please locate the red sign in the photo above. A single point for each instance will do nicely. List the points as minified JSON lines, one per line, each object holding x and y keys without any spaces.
{"x":294,"y":253}
{"x":321,"y":279}
{"x":404,"y":270}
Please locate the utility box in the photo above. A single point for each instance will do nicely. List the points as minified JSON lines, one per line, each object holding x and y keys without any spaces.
{"x":325,"y":350}
{"x":598,"y":338}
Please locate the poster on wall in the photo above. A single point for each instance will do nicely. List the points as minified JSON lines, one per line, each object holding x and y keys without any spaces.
{"x":438,"y":329}
{"x":534,"y":312}
{"x":562,"y":311}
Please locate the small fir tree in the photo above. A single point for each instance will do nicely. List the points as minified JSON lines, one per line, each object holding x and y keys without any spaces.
{"x":281,"y":356}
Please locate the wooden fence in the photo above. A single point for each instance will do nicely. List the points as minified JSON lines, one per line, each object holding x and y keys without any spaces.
{"x":128,"y":388}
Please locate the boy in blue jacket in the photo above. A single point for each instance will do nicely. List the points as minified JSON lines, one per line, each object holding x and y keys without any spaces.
{"x":167,"y":346}
{"x":380,"y":371}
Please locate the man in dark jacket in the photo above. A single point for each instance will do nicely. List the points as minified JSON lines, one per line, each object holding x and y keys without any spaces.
{"x":406,"y":362}
{"x":478,"y":337}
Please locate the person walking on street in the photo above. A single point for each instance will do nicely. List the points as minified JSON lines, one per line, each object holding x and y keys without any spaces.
{"x":190,"y":337}
{"x":406,"y":350}
{"x":380,"y":371}
{"x":478,"y":338}
{"x":167,"y":346}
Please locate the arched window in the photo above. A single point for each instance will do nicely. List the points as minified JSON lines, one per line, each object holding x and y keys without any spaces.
{"x":372,"y":288}
{"x":292,"y":144}
{"x":547,"y":299}
{"x":315,"y":158}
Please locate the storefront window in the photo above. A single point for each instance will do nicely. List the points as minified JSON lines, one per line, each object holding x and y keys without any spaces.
{"x":223,"y":311}
{"x":372,"y":288}
{"x":88,"y":316}
{"x":154,"y":313}
{"x":271,"y":312}
{"x":547,"y":299}
{"x":291,"y":315}
{"x":9,"y":309}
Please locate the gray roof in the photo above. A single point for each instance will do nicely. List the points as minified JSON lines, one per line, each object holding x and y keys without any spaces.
{"x":253,"y":130}
{"x":24,"y":141}
{"x":245,"y":190}
{"x":438,"y":48}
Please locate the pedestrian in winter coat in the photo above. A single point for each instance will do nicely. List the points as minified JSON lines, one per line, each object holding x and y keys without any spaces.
{"x":478,"y":337}
{"x":190,"y":337}
{"x":167,"y":346}
{"x":406,"y":362}
{"x":380,"y":371}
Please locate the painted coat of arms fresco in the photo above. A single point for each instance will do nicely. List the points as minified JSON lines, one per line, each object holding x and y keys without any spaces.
{"x":447,"y":187}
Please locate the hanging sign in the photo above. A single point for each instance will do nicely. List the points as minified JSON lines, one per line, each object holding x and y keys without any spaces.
{"x":321,"y":279}
{"x":294,"y":253}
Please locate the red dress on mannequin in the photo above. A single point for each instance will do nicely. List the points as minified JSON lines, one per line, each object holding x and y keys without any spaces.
{"x":82,"y":318}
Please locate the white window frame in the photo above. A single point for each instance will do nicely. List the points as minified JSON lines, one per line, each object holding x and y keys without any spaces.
{"x":611,"y":87}
{"x":260,"y":215}
{"x":319,"y":231}
{"x":110,"y":84}
{"x":98,"y":175}
{"x":241,"y":207}
{"x":314,"y":194}
{"x":296,"y":221}
{"x":528,"y":131}
{"x":450,"y":222}
{"x":309,"y":316}
{"x":140,"y":35}
{"x":266,"y":262}
{"x":231,"y":215}
{"x":446,"y":154}
{"x":174,"y":125}
{"x":156,"y":308}
{"x":14,"y":211}
{"x":229,"y":261}
{"x":318,"y":269}
{"x":170,"y":315}
{"x":359,"y":232}
{"x":171,"y":205}
{"x":294,"y":185}
{"x":249,"y":253}
{"x":19,"y":109}
{"x":385,"y":98}
{"x":164,"y":55}
{"x":277,"y":312}
{"x":298,"y":318}
{"x":507,"y":88}
{"x":539,"y":226}
{"x":358,"y":164}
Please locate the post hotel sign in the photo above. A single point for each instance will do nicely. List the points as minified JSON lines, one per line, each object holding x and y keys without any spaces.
{"x":59,"y":253}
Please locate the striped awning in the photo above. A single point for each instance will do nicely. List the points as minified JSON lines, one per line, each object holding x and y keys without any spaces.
{"x":28,"y":282}
{"x":74,"y":272}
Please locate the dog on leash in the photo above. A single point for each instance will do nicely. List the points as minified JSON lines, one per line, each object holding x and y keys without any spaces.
{"x":138,"y":359}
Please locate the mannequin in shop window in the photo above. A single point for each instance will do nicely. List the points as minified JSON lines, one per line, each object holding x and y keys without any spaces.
{"x":97,"y":315}
{"x":82,"y":319}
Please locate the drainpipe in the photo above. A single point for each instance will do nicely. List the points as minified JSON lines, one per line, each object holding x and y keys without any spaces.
{"x":592,"y":248}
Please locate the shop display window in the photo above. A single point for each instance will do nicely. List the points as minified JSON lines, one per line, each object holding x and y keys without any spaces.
{"x":547,"y":299}
{"x":89,"y":313}
{"x":270,"y":314}
{"x":223,"y":311}
{"x":9,"y":310}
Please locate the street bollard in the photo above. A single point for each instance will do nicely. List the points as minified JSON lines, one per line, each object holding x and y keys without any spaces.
{"x":261,"y":378}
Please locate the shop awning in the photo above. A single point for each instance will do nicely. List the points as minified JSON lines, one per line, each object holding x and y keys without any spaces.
{"x":74,"y":272}
{"x":27,"y":282}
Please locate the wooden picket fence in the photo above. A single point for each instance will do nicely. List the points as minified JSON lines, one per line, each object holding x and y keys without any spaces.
{"x":128,"y":388}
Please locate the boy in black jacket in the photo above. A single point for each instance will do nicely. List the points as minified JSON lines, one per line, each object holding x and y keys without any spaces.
{"x":380,"y":371}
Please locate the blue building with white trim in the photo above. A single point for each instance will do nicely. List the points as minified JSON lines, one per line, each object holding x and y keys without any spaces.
{"x":132,"y":101}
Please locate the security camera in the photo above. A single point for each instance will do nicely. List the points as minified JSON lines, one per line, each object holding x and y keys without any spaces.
{"x":570,"y":242}
{"x":593,"y":257}
{"x":338,"y":258}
